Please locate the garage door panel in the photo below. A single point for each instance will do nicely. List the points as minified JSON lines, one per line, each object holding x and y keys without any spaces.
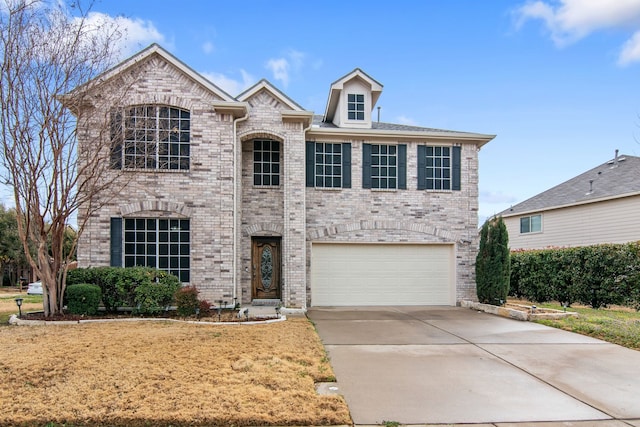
{"x":381,"y":274}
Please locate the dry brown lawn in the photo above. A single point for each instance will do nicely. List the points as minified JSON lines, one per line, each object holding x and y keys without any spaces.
{"x":165,"y":373}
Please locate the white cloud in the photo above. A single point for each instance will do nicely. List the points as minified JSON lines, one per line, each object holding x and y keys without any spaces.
{"x":281,"y":68}
{"x":571,"y":20}
{"x":207,"y":47}
{"x":630,"y":50}
{"x":230,"y":85}
{"x":135,"y":33}
{"x":404,"y":120}
{"x":496,"y":197}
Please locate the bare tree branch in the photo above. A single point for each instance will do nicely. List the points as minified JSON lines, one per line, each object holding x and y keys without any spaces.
{"x":48,"y":52}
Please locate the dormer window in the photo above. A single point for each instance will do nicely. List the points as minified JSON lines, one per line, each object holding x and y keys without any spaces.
{"x":355,"y":106}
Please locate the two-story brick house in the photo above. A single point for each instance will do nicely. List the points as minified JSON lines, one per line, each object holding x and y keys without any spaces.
{"x":257,"y":199}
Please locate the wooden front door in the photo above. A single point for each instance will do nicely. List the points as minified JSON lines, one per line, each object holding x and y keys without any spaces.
{"x":265,"y":263}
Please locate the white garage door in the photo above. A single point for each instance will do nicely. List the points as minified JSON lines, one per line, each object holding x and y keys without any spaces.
{"x":382,"y":274}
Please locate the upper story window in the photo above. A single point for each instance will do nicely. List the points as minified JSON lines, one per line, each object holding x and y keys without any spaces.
{"x":355,"y":106}
{"x":328,"y":165}
{"x":266,"y":162}
{"x":531,"y":224}
{"x":384,"y":166}
{"x":439,"y":168}
{"x":150,"y":137}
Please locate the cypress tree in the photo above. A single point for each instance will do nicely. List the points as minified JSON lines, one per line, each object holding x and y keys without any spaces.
{"x":493,"y":264}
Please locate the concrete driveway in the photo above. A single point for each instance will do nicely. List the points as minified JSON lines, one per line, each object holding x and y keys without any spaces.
{"x":448,"y":365}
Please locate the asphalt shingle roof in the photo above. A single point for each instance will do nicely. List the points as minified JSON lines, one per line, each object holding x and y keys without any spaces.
{"x":608,"y":180}
{"x":318,"y":121}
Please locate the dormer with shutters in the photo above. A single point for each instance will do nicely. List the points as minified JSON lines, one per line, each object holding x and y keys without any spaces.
{"x":351,"y":100}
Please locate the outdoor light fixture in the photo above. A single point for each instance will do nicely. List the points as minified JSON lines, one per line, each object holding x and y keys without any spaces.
{"x":219,"y":308}
{"x":198,"y":313}
{"x":246,"y":313}
{"x":278,"y":311}
{"x":19,"y":304}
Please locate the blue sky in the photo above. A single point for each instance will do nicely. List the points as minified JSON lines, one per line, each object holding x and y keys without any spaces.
{"x":555,"y":80}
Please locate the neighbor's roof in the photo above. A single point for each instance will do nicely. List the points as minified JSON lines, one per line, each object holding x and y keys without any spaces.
{"x":612,"y":179}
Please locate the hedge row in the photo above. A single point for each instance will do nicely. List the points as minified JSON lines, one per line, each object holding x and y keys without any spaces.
{"x":598,"y":276}
{"x":144,"y":289}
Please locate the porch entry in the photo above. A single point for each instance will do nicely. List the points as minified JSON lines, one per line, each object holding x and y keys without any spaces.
{"x":266,"y":264}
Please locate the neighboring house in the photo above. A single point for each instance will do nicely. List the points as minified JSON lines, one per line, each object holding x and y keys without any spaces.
{"x":256,"y":199}
{"x":598,"y":206}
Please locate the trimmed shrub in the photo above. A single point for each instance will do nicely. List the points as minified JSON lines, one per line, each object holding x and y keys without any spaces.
{"x":598,"y":276}
{"x":83,"y":299}
{"x":493,"y":262}
{"x":187,"y":301}
{"x":144,"y":289}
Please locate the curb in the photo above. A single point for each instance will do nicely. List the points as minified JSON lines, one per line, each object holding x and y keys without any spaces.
{"x":516,"y":314}
{"x":14,"y":320}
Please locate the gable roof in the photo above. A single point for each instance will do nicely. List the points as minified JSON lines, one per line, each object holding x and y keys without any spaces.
{"x":338,"y":85}
{"x":153,"y":49}
{"x":615,"y":178}
{"x":266,"y":84}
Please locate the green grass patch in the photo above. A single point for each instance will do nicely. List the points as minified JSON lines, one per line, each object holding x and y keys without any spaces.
{"x":26,"y":298}
{"x":617,"y":326}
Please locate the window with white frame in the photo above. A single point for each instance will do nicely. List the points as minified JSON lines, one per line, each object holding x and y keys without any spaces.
{"x":266,"y":162}
{"x":355,"y":106}
{"x":531,"y":224}
{"x":328,"y":164}
{"x":151,"y":137}
{"x":161,"y":243}
{"x":384,"y":166}
{"x":438,"y":168}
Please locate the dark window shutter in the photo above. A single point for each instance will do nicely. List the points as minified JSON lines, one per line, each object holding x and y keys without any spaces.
{"x":116,"y":139}
{"x":346,"y":165}
{"x":366,"y":165}
{"x":402,"y":167}
{"x":456,"y":166}
{"x":422,"y":167}
{"x":310,"y":164}
{"x":116,"y":242}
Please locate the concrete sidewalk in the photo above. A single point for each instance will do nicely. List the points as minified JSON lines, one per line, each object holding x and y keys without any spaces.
{"x":447,"y":365}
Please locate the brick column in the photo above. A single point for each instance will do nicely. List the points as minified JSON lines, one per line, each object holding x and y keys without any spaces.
{"x":294,"y":241}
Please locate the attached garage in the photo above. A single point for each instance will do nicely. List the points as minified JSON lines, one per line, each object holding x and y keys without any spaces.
{"x":345,"y":274}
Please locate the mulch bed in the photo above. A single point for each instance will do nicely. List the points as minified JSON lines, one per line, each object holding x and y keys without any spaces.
{"x":226,"y":316}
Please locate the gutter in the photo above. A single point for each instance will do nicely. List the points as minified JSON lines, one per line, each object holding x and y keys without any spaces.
{"x":479,"y":139}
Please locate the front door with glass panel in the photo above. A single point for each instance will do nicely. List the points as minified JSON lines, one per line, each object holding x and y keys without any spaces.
{"x":265,"y":263}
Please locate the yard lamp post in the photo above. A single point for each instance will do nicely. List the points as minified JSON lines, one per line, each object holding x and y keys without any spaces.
{"x":19,"y":304}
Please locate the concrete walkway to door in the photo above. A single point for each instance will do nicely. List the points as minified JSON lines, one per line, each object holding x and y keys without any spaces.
{"x":448,"y":365}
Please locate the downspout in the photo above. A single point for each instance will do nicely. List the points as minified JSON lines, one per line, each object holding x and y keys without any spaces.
{"x":304,"y":210}
{"x":235,"y":204}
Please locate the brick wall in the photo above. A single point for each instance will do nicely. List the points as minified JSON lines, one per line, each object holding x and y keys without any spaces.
{"x":300,"y":215}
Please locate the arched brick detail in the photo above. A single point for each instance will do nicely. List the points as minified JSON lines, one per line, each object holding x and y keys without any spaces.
{"x":156,"y":205}
{"x":363,"y":225}
{"x":168,"y":100}
{"x":260,"y":133}
{"x":263,"y":227}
